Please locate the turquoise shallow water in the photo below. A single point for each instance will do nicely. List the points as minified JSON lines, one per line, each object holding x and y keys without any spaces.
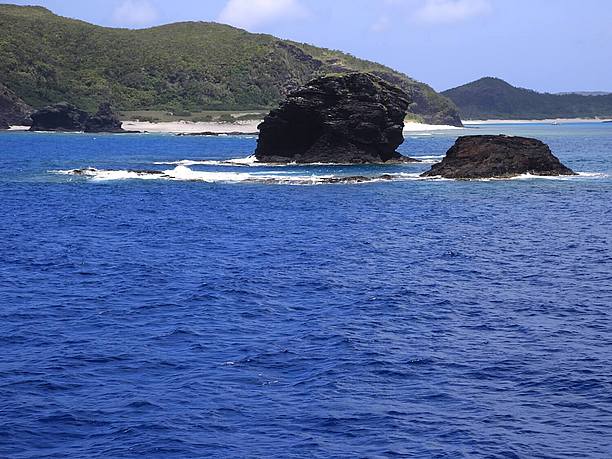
{"x":274,"y":317}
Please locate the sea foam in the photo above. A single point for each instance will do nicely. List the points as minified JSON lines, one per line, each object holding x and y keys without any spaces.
{"x":184,"y":173}
{"x":248,"y":161}
{"x":251,"y":161}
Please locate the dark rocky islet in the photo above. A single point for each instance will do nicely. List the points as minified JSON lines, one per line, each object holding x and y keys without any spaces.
{"x":490,"y":156}
{"x":345,"y":119}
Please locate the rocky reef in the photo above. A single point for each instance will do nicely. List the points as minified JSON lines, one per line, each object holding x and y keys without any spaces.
{"x":355,"y":118}
{"x":66,"y":117}
{"x":489,"y":156}
{"x":13,"y":111}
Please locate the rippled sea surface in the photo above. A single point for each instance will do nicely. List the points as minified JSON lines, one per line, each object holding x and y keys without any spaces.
{"x":209,"y":314}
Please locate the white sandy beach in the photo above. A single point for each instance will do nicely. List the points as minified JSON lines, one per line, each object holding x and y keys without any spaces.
{"x":188,"y":127}
{"x":411,"y":126}
{"x":245,"y":127}
{"x":250,"y":127}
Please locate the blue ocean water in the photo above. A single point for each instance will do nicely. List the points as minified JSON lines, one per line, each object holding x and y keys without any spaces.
{"x":255,"y":313}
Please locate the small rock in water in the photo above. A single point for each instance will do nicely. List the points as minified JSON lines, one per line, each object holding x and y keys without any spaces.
{"x":490,"y":156}
{"x":345,"y":119}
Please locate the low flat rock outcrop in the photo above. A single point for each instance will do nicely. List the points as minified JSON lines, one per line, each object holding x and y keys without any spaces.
{"x":65,"y":117}
{"x":489,"y":156}
{"x":355,"y":118}
{"x":105,"y":120}
{"x":13,"y":111}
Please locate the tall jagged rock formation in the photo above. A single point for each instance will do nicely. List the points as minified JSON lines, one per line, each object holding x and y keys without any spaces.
{"x":346,"y":119}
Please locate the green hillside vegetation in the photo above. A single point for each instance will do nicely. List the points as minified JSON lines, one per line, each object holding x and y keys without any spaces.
{"x":492,"y":98}
{"x":183,"y":67}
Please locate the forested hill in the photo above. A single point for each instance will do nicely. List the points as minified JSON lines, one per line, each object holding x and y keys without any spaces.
{"x":492,"y":98}
{"x":191,"y":66}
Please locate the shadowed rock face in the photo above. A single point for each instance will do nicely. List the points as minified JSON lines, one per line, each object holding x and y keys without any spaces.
{"x":354,"y":118}
{"x":13,"y":111}
{"x":66,"y":117}
{"x":487,"y":156}
{"x":105,"y":120}
{"x":59,"y":117}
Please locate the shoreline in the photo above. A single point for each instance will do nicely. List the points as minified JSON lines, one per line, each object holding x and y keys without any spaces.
{"x":411,"y":126}
{"x":238,"y":128}
{"x":250,"y":127}
{"x":242,"y":127}
{"x":544,"y":121}
{"x":189,"y":127}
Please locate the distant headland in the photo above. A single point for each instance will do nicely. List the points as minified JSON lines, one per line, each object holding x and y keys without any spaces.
{"x":493,"y":98}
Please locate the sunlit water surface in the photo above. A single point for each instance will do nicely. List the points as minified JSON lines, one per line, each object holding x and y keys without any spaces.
{"x":240,"y":310}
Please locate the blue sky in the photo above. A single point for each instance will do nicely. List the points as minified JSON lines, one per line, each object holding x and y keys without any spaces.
{"x":547,"y":45}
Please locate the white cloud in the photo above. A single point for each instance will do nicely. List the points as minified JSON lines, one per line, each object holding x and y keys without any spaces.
{"x":253,"y":13}
{"x":382,"y":24}
{"x":136,"y":13}
{"x":448,"y":11}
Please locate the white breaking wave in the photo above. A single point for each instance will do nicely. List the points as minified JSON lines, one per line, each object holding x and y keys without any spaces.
{"x":248,"y":161}
{"x":183,"y":173}
{"x":580,"y":175}
{"x":251,"y":161}
{"x":101,"y":174}
{"x":429,"y":159}
{"x":560,"y":177}
{"x":593,"y":174}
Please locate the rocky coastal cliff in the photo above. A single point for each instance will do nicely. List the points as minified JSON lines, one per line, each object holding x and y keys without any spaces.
{"x":68,"y":118}
{"x":13,"y":111}
{"x":105,"y":120}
